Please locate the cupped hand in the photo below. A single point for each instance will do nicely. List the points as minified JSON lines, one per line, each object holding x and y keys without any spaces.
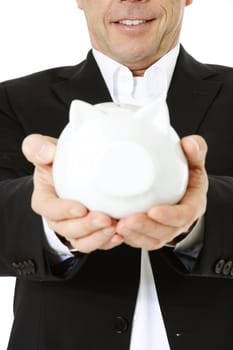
{"x":163,"y":223}
{"x":86,"y":231}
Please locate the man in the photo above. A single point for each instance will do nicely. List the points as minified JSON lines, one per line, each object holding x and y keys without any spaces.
{"x":88,"y":286}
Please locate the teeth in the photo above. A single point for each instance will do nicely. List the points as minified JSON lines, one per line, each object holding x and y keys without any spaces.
{"x":132,"y":22}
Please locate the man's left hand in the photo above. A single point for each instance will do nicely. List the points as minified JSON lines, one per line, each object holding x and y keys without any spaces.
{"x":163,"y":223}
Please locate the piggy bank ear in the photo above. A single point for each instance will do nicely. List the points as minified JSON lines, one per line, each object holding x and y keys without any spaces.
{"x":81,"y":112}
{"x":156,"y":114}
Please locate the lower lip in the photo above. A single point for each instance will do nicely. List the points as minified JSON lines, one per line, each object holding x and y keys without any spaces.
{"x":132,"y":28}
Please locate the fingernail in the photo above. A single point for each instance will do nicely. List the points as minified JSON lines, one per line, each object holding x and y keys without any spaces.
{"x":109,"y":231}
{"x":194,"y":143}
{"x":78,"y":212}
{"x":117,"y":239}
{"x":46,"y":153}
{"x":99,"y":222}
{"x":124,"y":230}
{"x":157,"y":216}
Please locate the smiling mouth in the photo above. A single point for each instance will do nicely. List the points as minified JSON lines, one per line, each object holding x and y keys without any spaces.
{"x":133,"y":22}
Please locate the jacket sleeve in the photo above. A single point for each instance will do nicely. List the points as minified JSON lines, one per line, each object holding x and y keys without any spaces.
{"x":216,"y":258}
{"x":22,"y":251}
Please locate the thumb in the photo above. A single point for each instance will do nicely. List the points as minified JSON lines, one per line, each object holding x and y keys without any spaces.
{"x":195,"y":149}
{"x":39,"y":149}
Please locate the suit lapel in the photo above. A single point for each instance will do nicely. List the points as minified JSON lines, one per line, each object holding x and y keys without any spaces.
{"x":191,"y":93}
{"x":83,"y":82}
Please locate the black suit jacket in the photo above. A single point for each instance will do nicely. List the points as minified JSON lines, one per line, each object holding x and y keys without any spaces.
{"x":87,"y":303}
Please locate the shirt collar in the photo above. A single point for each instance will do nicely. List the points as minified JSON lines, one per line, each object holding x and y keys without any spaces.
{"x":124,"y":88}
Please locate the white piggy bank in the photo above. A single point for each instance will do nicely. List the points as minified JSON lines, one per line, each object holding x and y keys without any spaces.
{"x":120,"y":159}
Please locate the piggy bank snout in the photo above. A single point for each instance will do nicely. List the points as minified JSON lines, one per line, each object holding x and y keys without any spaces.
{"x":120,"y":160}
{"x":124,"y":170}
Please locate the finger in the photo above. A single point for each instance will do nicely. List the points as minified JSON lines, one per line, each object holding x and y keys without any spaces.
{"x":142,"y":231}
{"x":193,"y":204}
{"x":56,"y":209}
{"x":179,"y":216}
{"x":45,"y":202}
{"x":81,"y":227}
{"x":138,"y":240}
{"x":195,"y":149}
{"x":39,"y":149}
{"x":139,"y":223}
{"x":115,"y":241}
{"x":96,"y":240}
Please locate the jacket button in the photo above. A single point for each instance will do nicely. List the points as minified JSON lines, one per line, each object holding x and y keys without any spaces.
{"x":219,"y":266}
{"x":179,"y":334}
{"x":15,"y":265}
{"x":227,"y":268}
{"x":29,"y":267}
{"x":120,"y":325}
{"x":24,"y":268}
{"x":16,"y":268}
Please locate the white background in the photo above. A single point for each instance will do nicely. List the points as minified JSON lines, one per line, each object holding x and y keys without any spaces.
{"x":36,"y":35}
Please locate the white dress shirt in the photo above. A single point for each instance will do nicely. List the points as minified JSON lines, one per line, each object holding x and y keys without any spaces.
{"x":148,"y":331}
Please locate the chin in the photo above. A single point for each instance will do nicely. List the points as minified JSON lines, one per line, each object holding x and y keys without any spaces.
{"x":131,"y":57}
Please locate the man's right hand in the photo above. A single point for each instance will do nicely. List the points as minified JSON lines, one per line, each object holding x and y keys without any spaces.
{"x":86,"y":231}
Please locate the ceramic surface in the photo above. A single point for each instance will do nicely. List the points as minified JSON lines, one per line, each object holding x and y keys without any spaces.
{"x":120,"y":159}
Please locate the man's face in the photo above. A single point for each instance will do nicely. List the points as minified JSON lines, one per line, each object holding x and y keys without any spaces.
{"x":135,"y":33}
